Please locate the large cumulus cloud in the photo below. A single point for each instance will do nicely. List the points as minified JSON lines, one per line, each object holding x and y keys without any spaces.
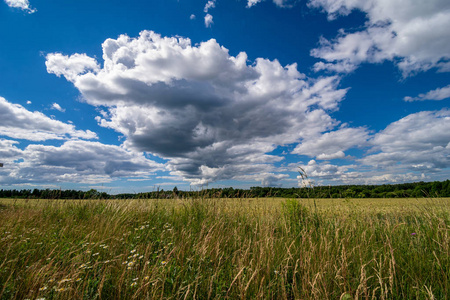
{"x":213,"y":115}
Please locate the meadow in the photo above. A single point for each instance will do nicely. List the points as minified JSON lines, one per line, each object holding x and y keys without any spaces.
{"x":267,"y":248}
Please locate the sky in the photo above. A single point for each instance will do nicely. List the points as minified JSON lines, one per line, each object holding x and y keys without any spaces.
{"x":134,"y":96}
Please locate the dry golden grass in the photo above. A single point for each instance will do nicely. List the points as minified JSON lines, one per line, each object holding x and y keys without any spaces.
{"x":225,"y":249}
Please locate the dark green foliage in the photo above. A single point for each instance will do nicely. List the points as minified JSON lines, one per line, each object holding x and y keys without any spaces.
{"x":404,"y":190}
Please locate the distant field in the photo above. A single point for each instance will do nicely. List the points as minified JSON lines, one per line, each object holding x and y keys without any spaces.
{"x":225,"y":249}
{"x":262,"y":204}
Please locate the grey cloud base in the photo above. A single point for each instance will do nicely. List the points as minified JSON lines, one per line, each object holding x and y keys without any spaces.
{"x":211,"y":114}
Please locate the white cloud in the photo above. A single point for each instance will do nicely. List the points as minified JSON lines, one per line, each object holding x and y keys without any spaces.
{"x":327,"y":171}
{"x":279,"y":3}
{"x":338,"y":67}
{"x":265,"y":179}
{"x":416,"y":147}
{"x":418,"y":142}
{"x":411,"y":33}
{"x":335,"y":155}
{"x":56,"y":106}
{"x":208,"y":20}
{"x":192,"y":17}
{"x":75,"y":161}
{"x":250,"y":3}
{"x":28,"y":102}
{"x":324,"y":173}
{"x":212,"y":115}
{"x":19,"y":123}
{"x":21,"y":4}
{"x":285,"y":3}
{"x":331,"y":145}
{"x":70,"y":66}
{"x":8,"y":150}
{"x":437,"y":94}
{"x":210,"y":4}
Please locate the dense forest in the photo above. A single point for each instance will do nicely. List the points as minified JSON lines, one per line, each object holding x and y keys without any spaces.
{"x":415,"y":190}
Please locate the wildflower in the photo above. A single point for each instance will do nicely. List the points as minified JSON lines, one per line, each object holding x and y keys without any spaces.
{"x":65,"y":280}
{"x":60,"y":290}
{"x":131,"y":263}
{"x":40,"y":298}
{"x":106,"y":261}
{"x":88,"y":251}
{"x":132,"y":251}
{"x":276,"y":272}
{"x":133,"y":256}
{"x":164,"y":262}
{"x":78,"y":279}
{"x":135,"y":279}
{"x":140,"y":257}
{"x":133,"y":284}
{"x":95,"y":254}
{"x":83,"y":266}
{"x":43,"y":288}
{"x":413,"y":233}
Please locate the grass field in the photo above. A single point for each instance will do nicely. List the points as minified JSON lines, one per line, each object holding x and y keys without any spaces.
{"x":225,"y":249}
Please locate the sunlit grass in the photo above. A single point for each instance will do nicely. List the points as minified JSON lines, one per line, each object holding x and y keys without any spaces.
{"x":225,"y":249}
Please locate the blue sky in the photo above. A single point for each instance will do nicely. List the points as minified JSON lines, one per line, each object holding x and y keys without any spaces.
{"x":130,"y":96}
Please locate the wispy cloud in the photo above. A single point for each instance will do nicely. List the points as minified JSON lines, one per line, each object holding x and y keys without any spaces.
{"x":210,"y":4}
{"x":251,"y":3}
{"x":208,"y":20}
{"x":21,"y":4}
{"x":279,"y":3}
{"x":58,"y":107}
{"x":437,"y":94}
{"x":19,"y":123}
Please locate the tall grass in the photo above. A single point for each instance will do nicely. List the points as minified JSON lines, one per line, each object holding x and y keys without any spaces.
{"x":223,"y":249}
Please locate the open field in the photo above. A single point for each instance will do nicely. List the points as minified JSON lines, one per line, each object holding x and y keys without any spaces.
{"x":225,"y":249}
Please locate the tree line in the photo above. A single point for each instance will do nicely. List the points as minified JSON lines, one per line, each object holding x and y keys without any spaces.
{"x":403,"y":190}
